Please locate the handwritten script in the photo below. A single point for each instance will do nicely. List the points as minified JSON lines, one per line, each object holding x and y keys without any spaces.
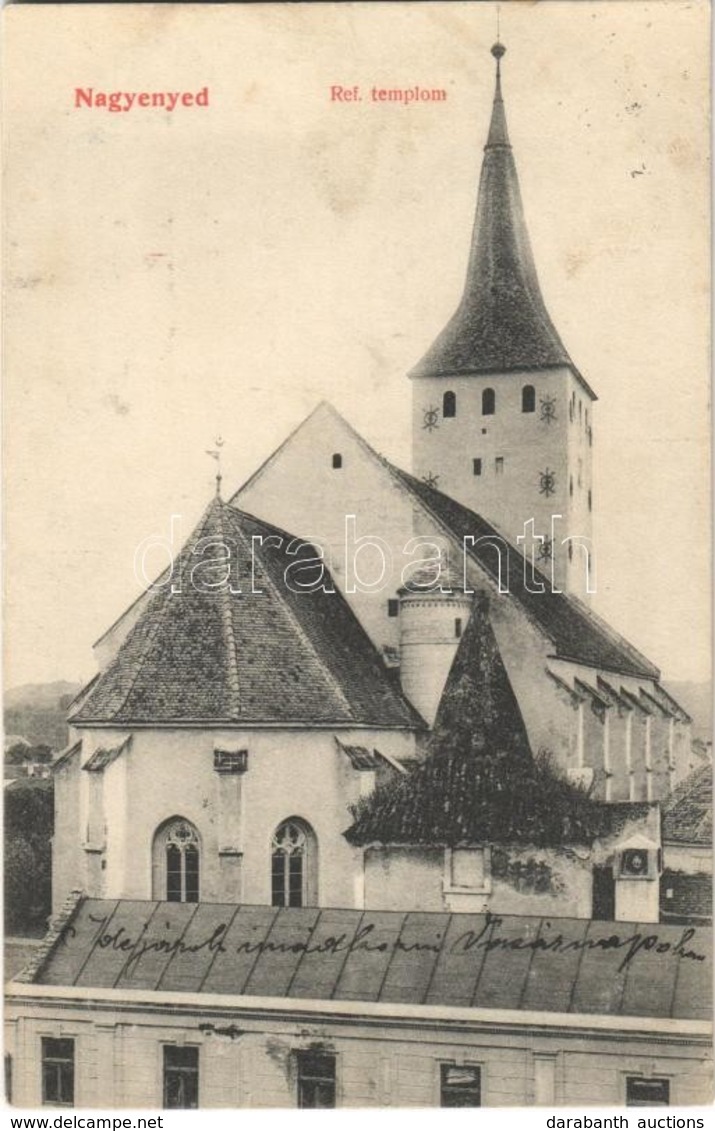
{"x":365,"y":939}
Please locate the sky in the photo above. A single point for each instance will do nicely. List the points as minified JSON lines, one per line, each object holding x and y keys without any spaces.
{"x":171,"y":277}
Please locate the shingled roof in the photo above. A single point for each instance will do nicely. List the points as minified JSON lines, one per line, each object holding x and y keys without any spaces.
{"x":339,"y":954}
{"x":501,"y":323}
{"x":218,"y":651}
{"x":479,"y":782}
{"x":688,"y":812}
{"x":576,"y":632}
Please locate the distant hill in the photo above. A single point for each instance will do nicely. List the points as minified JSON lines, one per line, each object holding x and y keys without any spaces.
{"x":697,"y":700}
{"x":37,"y":711}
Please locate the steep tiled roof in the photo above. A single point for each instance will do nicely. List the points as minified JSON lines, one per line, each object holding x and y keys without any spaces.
{"x":485,"y":962}
{"x":238,"y":644}
{"x":686,"y":897}
{"x":501,"y":323}
{"x":479,"y":782}
{"x":688,"y":812}
{"x":576,"y":632}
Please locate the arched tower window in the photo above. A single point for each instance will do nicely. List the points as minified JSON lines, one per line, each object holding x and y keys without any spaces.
{"x":449,"y":404}
{"x":176,"y":862}
{"x":528,"y":399}
{"x":489,"y":402}
{"x":294,"y":865}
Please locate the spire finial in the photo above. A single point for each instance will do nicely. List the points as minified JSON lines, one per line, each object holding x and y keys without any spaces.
{"x":215,"y":453}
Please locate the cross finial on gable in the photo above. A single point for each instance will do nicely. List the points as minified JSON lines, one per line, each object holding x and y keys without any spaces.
{"x":215,"y":453}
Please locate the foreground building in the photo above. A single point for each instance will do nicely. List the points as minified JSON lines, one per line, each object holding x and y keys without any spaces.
{"x":146,"y":1004}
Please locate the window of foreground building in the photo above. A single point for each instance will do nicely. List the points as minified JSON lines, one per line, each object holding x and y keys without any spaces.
{"x":316,"y":1079}
{"x":58,"y":1071}
{"x":181,"y":1076}
{"x":647,"y":1091}
{"x":460,"y":1085}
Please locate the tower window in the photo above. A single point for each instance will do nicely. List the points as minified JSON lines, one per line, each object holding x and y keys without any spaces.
{"x":489,"y":402}
{"x":499,"y":465}
{"x":449,"y":404}
{"x":393,"y":607}
{"x":571,"y":485}
{"x":337,"y":460}
{"x":293,"y":865}
{"x":570,"y":550}
{"x":477,"y":466}
{"x":590,"y":499}
{"x":528,"y":399}
{"x":458,"y":627}
{"x":585,"y":418}
{"x":580,"y":408}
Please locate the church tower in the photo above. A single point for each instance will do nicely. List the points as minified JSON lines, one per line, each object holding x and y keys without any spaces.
{"x":502,"y":418}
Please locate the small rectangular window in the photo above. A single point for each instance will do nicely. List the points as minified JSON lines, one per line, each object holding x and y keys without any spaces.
{"x":477,"y":466}
{"x":393,"y":607}
{"x":457,"y":627}
{"x":468,"y":868}
{"x":337,"y":460}
{"x":460,"y":1086}
{"x":647,"y":1091}
{"x":316,"y":1079}
{"x":544,"y":1078}
{"x":499,"y":465}
{"x":58,"y":1071}
{"x":181,"y":1076}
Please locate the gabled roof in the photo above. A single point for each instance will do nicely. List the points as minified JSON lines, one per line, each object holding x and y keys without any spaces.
{"x":239,"y":644}
{"x":479,"y":783}
{"x":688,"y":812}
{"x":437,"y":959}
{"x":361,"y":757}
{"x":501,"y":323}
{"x":576,"y":632}
{"x":105,"y":755}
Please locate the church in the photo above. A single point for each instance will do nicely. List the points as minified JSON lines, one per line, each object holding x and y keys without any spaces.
{"x":365,"y":713}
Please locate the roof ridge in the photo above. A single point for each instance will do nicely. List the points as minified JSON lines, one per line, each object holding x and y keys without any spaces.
{"x":227,"y":622}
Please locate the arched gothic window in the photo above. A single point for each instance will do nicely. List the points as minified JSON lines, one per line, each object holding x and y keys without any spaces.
{"x":176,"y":862}
{"x":528,"y":399}
{"x":489,"y":402}
{"x":449,"y":404}
{"x":294,"y":859}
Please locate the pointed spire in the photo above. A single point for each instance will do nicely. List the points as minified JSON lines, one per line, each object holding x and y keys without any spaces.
{"x":498,"y":134}
{"x":501,"y":323}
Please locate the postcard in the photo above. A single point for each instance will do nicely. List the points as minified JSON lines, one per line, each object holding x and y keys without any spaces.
{"x":356,"y":502}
